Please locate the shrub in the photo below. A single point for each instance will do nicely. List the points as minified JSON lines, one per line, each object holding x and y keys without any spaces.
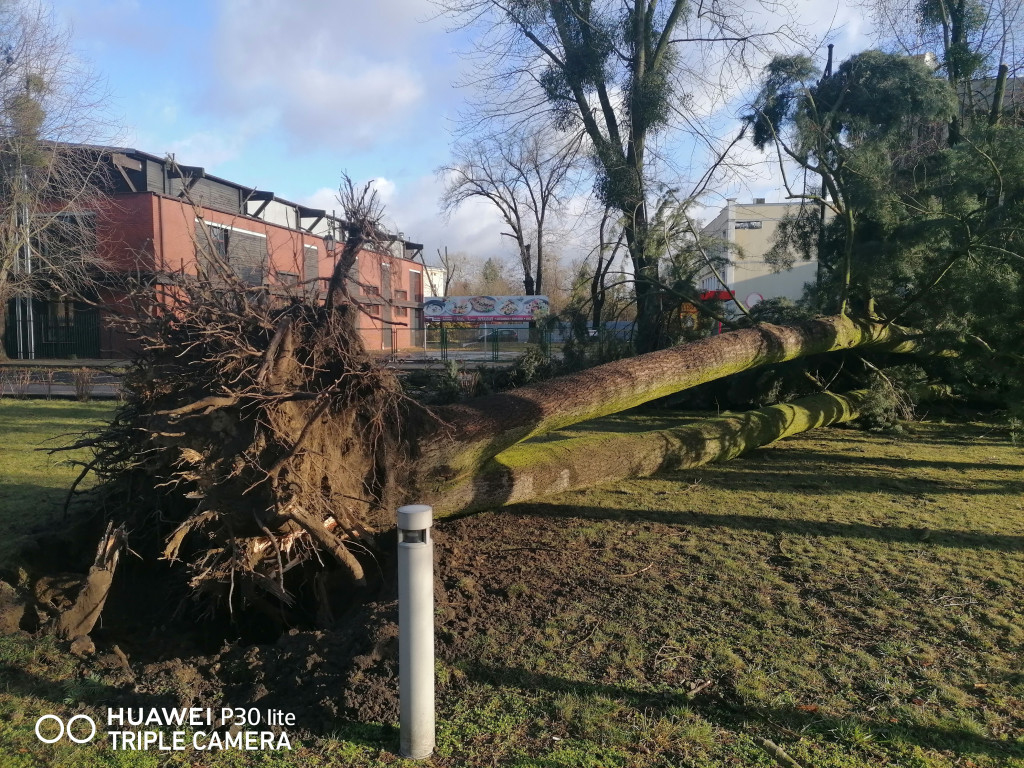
{"x":84,"y":380}
{"x":18,"y":381}
{"x":48,"y":375}
{"x":887,"y":405}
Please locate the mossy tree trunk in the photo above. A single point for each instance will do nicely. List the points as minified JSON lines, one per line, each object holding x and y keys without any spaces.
{"x":533,"y":470}
{"x":476,"y":431}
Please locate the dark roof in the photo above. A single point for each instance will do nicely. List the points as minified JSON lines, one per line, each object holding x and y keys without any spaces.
{"x":251,"y":193}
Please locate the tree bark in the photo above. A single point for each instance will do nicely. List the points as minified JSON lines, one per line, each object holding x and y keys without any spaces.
{"x":480,"y":429}
{"x":533,"y":470}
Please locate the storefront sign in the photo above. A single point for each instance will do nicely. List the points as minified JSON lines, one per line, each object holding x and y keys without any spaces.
{"x":485,"y":309}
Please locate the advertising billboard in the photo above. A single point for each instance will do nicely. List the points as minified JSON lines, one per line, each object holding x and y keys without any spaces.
{"x":484,"y":309}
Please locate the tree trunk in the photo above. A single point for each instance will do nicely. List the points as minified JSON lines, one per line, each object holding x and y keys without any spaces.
{"x":528,"y":285}
{"x":480,"y":429}
{"x":646,"y":282}
{"x":533,"y":470}
{"x":647,"y":332}
{"x":539,"y":288}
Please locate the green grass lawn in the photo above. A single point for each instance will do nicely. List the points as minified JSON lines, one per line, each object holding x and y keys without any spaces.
{"x":853,"y":600}
{"x":34,"y":484}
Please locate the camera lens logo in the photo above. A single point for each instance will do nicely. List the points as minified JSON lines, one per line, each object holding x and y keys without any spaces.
{"x":62,"y":729}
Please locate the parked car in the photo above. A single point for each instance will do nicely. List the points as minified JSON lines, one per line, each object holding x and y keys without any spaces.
{"x":500,"y":335}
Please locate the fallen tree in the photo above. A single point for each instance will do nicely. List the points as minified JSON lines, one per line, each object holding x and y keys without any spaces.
{"x":482,"y":428}
{"x":259,"y":447}
{"x":532,"y":470}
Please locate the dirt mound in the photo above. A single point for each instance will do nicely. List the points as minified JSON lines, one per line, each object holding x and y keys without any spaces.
{"x":304,"y":672}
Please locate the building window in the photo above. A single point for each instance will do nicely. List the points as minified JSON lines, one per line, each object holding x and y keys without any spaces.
{"x":371,"y":290}
{"x":401,"y":295}
{"x":219,"y":239}
{"x":748,"y":225}
{"x":63,"y":236}
{"x":288,"y":279}
{"x":401,"y":312}
{"x":310,"y":262}
{"x":372,"y":309}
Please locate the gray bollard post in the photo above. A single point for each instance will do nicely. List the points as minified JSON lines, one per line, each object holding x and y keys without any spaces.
{"x":416,"y":631}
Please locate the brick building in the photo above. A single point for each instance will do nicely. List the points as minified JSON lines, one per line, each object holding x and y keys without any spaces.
{"x":146,"y":226}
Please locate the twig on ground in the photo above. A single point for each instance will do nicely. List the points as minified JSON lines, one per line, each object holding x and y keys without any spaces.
{"x":777,"y":752}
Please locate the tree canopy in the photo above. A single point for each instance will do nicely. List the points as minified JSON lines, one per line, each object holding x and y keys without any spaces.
{"x":923,"y":231}
{"x":855,"y":129}
{"x":526,"y":175}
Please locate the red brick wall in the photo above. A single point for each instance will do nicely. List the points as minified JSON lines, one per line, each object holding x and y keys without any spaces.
{"x":124,"y":231}
{"x":156,"y":233}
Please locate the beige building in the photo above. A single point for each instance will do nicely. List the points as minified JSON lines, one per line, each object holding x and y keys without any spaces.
{"x":750,"y":229}
{"x":436,"y":278}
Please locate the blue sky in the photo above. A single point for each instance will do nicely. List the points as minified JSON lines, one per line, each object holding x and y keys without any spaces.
{"x":284,"y":95}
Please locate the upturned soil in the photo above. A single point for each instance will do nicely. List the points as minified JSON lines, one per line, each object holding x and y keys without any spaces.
{"x":347,"y":672}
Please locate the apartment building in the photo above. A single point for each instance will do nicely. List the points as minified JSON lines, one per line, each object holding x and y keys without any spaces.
{"x":748,"y":230}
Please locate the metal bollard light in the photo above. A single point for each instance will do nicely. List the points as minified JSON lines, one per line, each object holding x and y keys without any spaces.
{"x":416,"y":631}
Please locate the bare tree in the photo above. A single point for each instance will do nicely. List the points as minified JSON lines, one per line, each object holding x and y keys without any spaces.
{"x":363,"y":215}
{"x":525,"y":175}
{"x":480,"y":275}
{"x":623,"y":72}
{"x":454,"y":266}
{"x":50,"y":177}
{"x":606,"y":251}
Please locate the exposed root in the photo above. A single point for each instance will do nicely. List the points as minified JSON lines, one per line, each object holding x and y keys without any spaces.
{"x":78,"y":620}
{"x":258,"y":444}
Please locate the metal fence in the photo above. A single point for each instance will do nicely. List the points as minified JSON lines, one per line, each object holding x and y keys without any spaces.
{"x":44,"y":334}
{"x":492,"y":343}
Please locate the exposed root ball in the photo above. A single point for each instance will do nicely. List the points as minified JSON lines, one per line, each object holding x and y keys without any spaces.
{"x":257,"y":447}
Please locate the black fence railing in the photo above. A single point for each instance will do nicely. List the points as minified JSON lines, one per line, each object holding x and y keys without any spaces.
{"x":43,"y":333}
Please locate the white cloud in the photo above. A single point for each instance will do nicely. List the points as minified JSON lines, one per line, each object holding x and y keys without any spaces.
{"x":474,"y":228}
{"x":325,"y":198}
{"x":206,"y":148}
{"x":329,"y":73}
{"x":385,"y":188}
